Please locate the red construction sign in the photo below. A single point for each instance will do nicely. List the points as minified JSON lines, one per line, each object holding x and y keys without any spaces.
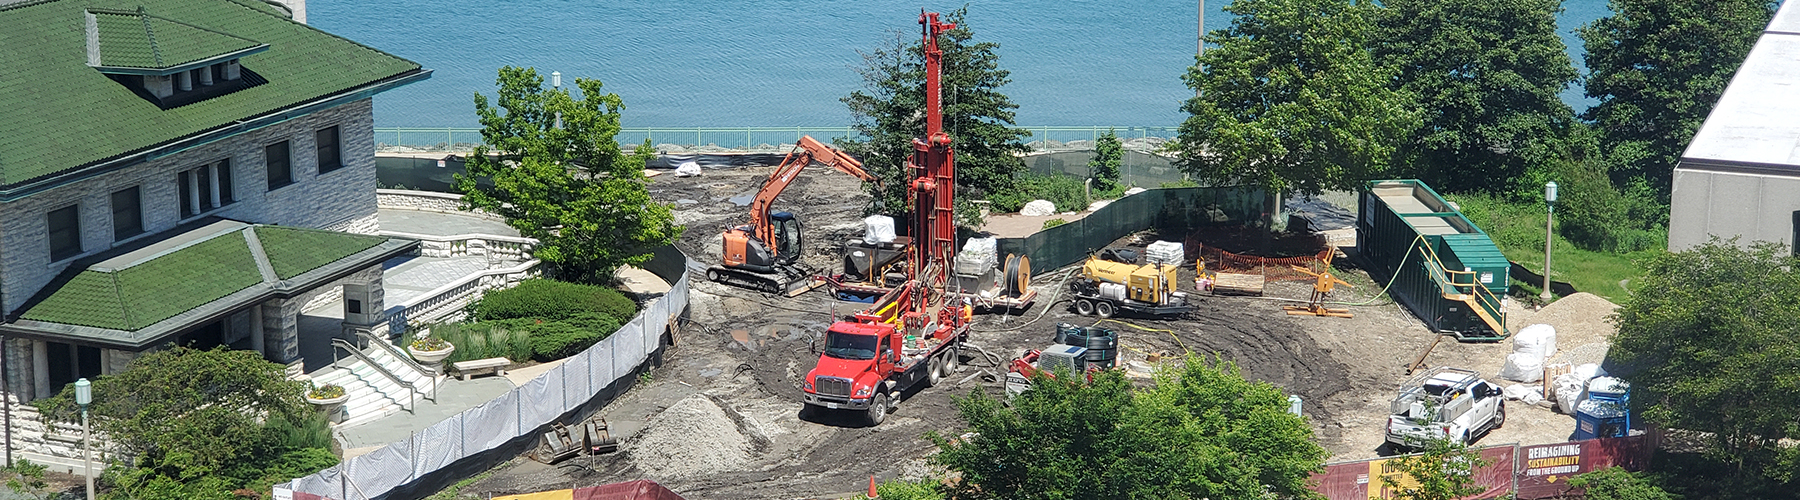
{"x":1544,"y":470}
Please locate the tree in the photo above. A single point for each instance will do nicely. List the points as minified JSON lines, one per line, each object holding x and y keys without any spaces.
{"x":1613,"y":483}
{"x":1708,"y":341}
{"x":1444,"y":470}
{"x":557,"y":175}
{"x":1487,"y":75}
{"x":1201,"y":432}
{"x":200,"y":424}
{"x":1657,"y":67}
{"x":890,"y":112}
{"x":1291,"y":99}
{"x":1108,"y":156}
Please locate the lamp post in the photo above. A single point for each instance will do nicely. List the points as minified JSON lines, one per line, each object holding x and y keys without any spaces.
{"x":1549,"y":235}
{"x":84,"y":394}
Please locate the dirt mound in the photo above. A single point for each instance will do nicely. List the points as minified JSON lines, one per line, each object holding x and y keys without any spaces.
{"x":696,"y":436}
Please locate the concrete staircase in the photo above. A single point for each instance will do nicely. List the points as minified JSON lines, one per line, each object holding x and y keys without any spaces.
{"x":373,"y":394}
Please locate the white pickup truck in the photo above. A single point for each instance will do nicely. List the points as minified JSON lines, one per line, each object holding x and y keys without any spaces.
{"x":1445,"y":404}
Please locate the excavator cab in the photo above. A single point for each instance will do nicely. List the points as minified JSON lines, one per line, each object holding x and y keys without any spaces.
{"x":787,"y":237}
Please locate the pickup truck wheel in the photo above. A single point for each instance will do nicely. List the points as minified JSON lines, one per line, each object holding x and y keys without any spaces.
{"x":934,"y":371}
{"x":1104,"y":309}
{"x":878,"y":408}
{"x":1500,"y":416}
{"x":1084,"y":307}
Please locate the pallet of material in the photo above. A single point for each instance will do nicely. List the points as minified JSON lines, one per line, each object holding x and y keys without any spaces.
{"x":1238,"y":284}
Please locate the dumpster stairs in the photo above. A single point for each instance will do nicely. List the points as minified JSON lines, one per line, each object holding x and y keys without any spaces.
{"x":1472,"y":293}
{"x":378,"y":380}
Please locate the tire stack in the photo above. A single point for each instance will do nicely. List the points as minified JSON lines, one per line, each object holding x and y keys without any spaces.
{"x":1102,"y":344}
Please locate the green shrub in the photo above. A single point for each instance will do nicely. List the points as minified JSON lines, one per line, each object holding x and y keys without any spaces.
{"x":1065,"y":191}
{"x":494,"y":339}
{"x":551,"y":300}
{"x":1054,"y":222}
{"x":561,"y":339}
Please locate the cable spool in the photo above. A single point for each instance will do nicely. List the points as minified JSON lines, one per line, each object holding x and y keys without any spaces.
{"x":1011,"y":276}
{"x":1022,"y":276}
{"x":1104,"y":358}
{"x":1076,"y":336}
{"x":1062,"y":333}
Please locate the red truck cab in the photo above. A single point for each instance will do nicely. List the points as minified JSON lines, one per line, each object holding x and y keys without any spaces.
{"x":866,"y":364}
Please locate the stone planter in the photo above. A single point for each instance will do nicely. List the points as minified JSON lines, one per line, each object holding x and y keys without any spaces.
{"x":432,"y":358}
{"x":333,"y":407}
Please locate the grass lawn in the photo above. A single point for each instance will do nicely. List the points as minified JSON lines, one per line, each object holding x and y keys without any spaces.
{"x":1519,"y":232}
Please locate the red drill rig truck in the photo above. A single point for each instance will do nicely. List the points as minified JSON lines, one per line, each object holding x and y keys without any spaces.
{"x":765,"y":254}
{"x":915,"y":332}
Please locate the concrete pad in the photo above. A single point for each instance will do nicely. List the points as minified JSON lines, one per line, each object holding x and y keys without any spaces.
{"x":440,"y":224}
{"x":641,"y":281}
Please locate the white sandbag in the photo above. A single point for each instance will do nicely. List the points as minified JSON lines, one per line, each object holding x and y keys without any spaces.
{"x":1538,"y":340}
{"x":1533,"y":396}
{"x":1589,"y":371}
{"x":687,"y":169}
{"x":1515,"y":391}
{"x":1038,"y":208}
{"x":1523,"y":367}
{"x":983,"y":248}
{"x":878,"y":229}
{"x":1098,"y":205}
{"x":1164,"y":252}
{"x":1571,"y":390}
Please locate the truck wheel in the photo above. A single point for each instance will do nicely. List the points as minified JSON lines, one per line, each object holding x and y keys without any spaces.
{"x":1104,"y":309}
{"x":934,"y":371}
{"x":1500,"y":416}
{"x":1084,"y":307}
{"x":953,"y":360}
{"x":878,"y":409}
{"x":712,"y":275}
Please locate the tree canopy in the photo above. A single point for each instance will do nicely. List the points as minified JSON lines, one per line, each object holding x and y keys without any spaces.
{"x":890,"y":111}
{"x":1658,"y":67}
{"x":1708,"y":341}
{"x":1444,"y":470}
{"x":1487,"y":75}
{"x":203,"y":423}
{"x":1108,"y":157}
{"x":558,"y":175}
{"x":1202,"y":431}
{"x":1292,"y":99}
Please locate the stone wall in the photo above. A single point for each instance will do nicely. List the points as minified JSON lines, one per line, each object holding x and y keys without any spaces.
{"x":57,"y":445}
{"x":428,"y":201}
{"x":340,"y":199}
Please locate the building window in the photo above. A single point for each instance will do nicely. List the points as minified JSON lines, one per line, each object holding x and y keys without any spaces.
{"x":329,"y":159}
{"x":65,"y":232}
{"x":281,"y":172}
{"x":127,"y":214}
{"x":205,"y":188}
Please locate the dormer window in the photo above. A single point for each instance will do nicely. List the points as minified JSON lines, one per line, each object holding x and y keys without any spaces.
{"x":168,"y":62}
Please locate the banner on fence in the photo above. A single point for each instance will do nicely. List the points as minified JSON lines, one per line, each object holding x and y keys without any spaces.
{"x":1369,"y":479}
{"x":1545,"y":470}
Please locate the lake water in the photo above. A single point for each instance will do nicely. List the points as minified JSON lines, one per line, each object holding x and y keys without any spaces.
{"x":784,"y":63}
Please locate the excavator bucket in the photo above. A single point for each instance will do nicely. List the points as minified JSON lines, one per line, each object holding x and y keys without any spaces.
{"x":597,"y":438}
{"x":556,"y":445}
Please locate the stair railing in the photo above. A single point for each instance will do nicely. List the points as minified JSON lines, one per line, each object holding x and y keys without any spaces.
{"x":411,"y":393}
{"x":1484,"y":298}
{"x":392,"y":350}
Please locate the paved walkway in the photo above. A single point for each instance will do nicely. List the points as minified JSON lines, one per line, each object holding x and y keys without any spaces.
{"x":454,"y":396}
{"x":440,"y":224}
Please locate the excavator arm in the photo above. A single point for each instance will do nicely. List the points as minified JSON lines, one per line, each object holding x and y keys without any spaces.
{"x":805,"y":152}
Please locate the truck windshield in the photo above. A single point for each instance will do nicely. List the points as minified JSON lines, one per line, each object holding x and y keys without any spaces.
{"x":846,"y":346}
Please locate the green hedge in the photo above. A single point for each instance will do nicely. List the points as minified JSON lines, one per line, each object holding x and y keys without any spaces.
{"x":550,"y":300}
{"x":1067,"y":192}
{"x":523,"y":338}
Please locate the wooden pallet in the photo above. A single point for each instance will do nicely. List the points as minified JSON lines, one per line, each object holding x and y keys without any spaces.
{"x":1238,"y":284}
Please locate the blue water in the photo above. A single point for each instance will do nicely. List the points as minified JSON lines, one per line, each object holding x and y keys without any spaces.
{"x":779,"y":63}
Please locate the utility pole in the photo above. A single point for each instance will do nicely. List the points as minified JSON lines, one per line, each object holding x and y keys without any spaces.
{"x":1200,"y":41}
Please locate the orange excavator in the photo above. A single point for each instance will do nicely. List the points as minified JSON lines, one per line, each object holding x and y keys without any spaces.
{"x":765,"y":254}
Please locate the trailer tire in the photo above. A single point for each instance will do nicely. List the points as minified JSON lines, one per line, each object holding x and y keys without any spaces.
{"x":934,"y":371}
{"x":1104,"y":309}
{"x":1084,"y":307}
{"x":878,"y":408}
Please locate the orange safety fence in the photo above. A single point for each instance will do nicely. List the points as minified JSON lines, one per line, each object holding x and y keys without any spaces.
{"x":1272,"y":268}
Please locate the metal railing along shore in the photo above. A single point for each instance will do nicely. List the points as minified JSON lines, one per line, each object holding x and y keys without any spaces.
{"x":435,"y":139}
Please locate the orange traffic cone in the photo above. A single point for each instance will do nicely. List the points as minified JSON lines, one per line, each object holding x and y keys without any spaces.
{"x":872,"y":494}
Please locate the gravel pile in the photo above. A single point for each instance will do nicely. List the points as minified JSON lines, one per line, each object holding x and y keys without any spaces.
{"x":693,"y":437}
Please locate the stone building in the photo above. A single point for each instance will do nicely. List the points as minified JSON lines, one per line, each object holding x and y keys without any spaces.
{"x":181,"y":171}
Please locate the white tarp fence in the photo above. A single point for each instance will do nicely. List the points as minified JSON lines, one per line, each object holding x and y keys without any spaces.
{"x":521,"y":410}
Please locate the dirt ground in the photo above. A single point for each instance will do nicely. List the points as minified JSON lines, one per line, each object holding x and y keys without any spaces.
{"x":721,"y":418}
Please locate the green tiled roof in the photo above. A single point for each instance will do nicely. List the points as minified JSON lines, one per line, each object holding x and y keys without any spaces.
{"x":141,"y":40}
{"x":138,"y":289}
{"x":158,"y":289}
{"x":62,"y":114}
{"x":293,"y":251}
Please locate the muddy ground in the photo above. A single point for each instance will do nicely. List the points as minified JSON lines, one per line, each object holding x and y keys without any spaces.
{"x":721,"y":418}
